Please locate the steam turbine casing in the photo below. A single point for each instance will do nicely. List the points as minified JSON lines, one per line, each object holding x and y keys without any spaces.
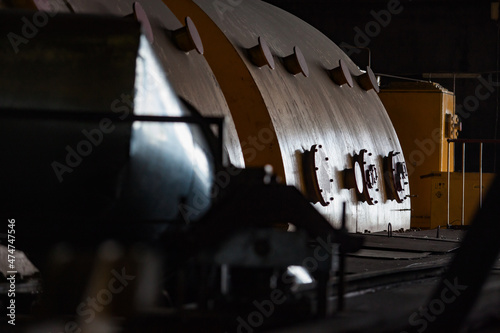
{"x":276,"y":117}
{"x":299,"y":111}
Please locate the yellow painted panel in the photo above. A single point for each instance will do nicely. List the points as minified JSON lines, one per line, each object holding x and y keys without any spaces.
{"x":439,"y":194}
{"x":418,"y":113}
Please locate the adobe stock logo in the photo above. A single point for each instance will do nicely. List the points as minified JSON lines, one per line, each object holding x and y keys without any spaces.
{"x":250,"y":147}
{"x":93,"y":138}
{"x":424,"y":316}
{"x":373,"y":28}
{"x":30,"y":29}
{"x":264,"y":309}
{"x":88,"y":309}
{"x":484,"y":90}
{"x":84,"y":148}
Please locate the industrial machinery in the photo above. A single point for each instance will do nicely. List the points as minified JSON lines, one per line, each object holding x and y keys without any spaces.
{"x":186,"y":165}
{"x":283,"y":88}
{"x":97,"y":167}
{"x":423,"y":114}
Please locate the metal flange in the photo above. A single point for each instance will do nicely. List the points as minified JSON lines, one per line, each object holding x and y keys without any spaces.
{"x":395,"y":176}
{"x":317,"y":176}
{"x":363,"y":177}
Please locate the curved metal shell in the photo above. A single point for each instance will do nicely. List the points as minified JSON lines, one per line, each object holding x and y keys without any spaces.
{"x":277,"y":115}
{"x":188,"y":72}
{"x":307,"y":111}
{"x":73,"y":151}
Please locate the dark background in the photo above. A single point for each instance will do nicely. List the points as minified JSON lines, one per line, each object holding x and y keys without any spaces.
{"x":424,"y":37}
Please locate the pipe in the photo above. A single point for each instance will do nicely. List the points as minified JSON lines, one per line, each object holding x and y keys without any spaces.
{"x":481,"y":175}
{"x":448,"y":186}
{"x":463,"y":182}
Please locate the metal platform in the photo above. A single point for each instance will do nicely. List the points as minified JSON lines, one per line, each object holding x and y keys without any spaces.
{"x":394,"y":255}
{"x":409,"y":244}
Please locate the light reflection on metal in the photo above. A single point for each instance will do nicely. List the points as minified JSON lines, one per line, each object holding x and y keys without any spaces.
{"x":299,"y":112}
{"x":160,"y":150}
{"x":300,"y":274}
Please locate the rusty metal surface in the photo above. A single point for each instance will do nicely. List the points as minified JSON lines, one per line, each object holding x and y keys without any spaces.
{"x":189,"y":73}
{"x":314,"y":110}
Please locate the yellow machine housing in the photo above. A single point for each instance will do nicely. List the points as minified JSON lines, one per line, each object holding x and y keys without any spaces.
{"x":423,"y":114}
{"x":439,"y":192}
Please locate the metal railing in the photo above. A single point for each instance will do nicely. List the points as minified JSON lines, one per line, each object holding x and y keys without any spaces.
{"x":464,"y":142}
